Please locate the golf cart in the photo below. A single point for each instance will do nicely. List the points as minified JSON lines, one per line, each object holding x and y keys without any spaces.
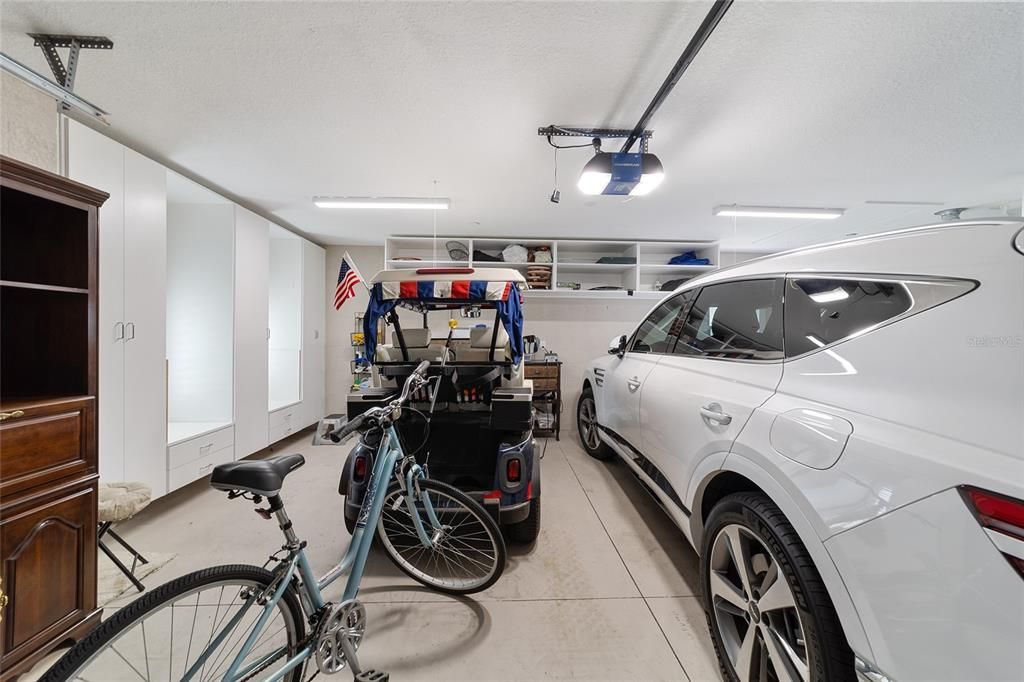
{"x":471,"y":426}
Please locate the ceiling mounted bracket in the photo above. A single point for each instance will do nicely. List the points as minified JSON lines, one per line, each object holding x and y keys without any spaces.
{"x":49,"y":42}
{"x":607,"y":133}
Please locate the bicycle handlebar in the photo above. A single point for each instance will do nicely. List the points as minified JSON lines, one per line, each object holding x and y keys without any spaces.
{"x":417,"y":377}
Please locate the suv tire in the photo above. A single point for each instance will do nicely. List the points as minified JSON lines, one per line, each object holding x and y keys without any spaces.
{"x":797,"y":609}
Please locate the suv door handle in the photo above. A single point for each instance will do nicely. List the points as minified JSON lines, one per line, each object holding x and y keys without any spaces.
{"x":713,"y":412}
{"x":633,"y":383}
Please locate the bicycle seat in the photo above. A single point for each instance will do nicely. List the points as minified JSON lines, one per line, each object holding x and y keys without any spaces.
{"x":261,"y":477}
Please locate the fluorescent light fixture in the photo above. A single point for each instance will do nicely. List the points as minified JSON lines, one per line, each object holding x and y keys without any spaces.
{"x":596,"y":177}
{"x":383,"y":202}
{"x":837,"y":294}
{"x":778,"y":212}
{"x":58,"y":92}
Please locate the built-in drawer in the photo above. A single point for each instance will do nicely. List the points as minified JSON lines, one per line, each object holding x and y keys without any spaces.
{"x":286,"y":416}
{"x":535,"y":371}
{"x":193,"y":449}
{"x":45,"y":441}
{"x":280,"y":431}
{"x":194,"y":470}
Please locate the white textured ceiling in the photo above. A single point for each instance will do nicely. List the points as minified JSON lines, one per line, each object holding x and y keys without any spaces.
{"x":795,"y":104}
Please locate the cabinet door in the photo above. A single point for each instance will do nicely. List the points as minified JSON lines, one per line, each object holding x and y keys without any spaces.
{"x":48,"y":551}
{"x":145,"y":381}
{"x":313,"y":318}
{"x":252,"y":263}
{"x":98,"y":161}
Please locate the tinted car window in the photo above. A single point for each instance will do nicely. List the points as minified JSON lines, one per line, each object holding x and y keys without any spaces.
{"x":658,"y":332}
{"x":736,"y":321}
{"x":821,"y":311}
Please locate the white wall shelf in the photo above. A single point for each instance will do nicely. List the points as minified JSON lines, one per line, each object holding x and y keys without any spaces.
{"x":573,"y":260}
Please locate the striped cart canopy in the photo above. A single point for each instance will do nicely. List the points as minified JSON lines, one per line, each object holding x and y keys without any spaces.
{"x":497,"y":288}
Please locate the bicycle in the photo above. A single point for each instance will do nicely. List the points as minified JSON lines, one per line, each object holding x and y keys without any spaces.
{"x":230,"y":640}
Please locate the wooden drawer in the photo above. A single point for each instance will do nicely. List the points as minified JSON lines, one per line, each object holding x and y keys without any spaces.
{"x":48,"y":558}
{"x":283,"y":417}
{"x":545,"y":384}
{"x":193,"y":471}
{"x":535,"y":371}
{"x":193,"y":449}
{"x":48,"y":442}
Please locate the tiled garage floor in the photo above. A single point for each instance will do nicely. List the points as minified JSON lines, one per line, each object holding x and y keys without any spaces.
{"x":607,"y":593}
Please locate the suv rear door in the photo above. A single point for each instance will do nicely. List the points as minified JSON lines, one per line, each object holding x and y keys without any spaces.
{"x":726,"y":362}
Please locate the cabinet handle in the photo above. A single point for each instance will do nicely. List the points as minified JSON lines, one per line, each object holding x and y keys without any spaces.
{"x":206,"y":467}
{"x":119,"y":331}
{"x":205,"y":448}
{"x":4,"y":416}
{"x":129,"y":328}
{"x":3,"y":599}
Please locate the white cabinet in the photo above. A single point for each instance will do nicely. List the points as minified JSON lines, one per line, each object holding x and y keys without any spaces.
{"x":285,"y":336}
{"x":200,"y":314}
{"x":314,"y":310}
{"x":132,"y":311}
{"x":252,"y":263}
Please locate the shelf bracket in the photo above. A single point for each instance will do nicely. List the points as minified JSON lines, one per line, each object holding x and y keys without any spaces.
{"x":49,"y":42}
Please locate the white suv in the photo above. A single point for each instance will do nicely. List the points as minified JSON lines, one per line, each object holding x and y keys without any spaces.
{"x":839,"y":432}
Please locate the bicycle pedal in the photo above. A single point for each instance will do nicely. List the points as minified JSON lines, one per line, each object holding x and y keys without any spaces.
{"x":372,"y":676}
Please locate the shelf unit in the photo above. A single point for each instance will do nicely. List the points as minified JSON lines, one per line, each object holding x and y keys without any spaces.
{"x":574,"y":260}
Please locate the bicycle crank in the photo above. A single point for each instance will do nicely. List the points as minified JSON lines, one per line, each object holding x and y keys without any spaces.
{"x":340,"y":636}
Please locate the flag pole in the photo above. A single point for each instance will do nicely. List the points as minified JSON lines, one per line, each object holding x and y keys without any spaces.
{"x":352,"y":264}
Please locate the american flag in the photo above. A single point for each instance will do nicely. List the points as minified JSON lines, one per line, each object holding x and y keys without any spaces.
{"x":348,"y":278}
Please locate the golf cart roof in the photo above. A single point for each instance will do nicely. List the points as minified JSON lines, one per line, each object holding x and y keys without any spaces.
{"x":427,"y":274}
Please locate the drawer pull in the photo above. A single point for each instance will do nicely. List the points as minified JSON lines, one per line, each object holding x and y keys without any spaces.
{"x":205,"y":448}
{"x":4,"y":416}
{"x":206,"y":467}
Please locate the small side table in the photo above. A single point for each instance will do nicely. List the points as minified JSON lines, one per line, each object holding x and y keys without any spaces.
{"x":547,"y":391}
{"x":120,"y":502}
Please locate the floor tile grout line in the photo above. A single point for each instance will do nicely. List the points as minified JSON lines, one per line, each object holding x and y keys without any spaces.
{"x":626,"y":566}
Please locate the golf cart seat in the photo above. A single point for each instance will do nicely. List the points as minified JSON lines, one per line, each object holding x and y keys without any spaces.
{"x":260,"y":477}
{"x":480,"y":344}
{"x":417,"y":344}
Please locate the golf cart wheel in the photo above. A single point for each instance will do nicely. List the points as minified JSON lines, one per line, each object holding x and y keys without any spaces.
{"x":586,"y":426}
{"x":769,"y":613}
{"x":527,"y":530}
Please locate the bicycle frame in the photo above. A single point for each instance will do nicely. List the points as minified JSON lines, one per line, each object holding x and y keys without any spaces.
{"x":352,"y":563}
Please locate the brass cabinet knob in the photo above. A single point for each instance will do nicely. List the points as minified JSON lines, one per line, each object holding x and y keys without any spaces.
{"x":4,"y":416}
{"x":3,"y":599}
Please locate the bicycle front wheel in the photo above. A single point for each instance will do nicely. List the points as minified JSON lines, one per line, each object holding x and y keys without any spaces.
{"x":467,"y":554}
{"x":175,"y":630}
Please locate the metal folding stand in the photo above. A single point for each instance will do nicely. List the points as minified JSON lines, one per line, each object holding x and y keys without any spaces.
{"x":105,"y":529}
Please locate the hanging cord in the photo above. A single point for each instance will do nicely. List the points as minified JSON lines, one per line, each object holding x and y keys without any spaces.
{"x":435,"y":226}
{"x":556,"y":168}
{"x":569,"y":146}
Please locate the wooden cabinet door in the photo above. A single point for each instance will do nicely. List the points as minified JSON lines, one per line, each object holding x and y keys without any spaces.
{"x":48,"y":554}
{"x":145,"y":304}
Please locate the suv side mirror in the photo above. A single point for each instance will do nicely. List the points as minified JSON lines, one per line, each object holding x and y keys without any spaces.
{"x":617,"y":346}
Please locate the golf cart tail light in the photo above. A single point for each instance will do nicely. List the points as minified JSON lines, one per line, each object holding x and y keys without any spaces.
{"x":359,"y":469}
{"x":1000,"y":513}
{"x":513,"y":470}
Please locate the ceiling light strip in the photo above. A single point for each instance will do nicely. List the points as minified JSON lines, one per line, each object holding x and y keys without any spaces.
{"x":401,"y":203}
{"x":797,"y":212}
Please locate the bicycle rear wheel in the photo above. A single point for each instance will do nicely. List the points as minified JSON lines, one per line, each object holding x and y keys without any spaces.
{"x":469,"y":555}
{"x":164,"y":633}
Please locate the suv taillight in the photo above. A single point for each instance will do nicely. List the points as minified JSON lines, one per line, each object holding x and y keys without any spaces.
{"x":1000,"y":514}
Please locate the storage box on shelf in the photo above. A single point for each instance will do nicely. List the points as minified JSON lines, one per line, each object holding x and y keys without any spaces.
{"x":48,"y":387}
{"x":636,"y":268}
